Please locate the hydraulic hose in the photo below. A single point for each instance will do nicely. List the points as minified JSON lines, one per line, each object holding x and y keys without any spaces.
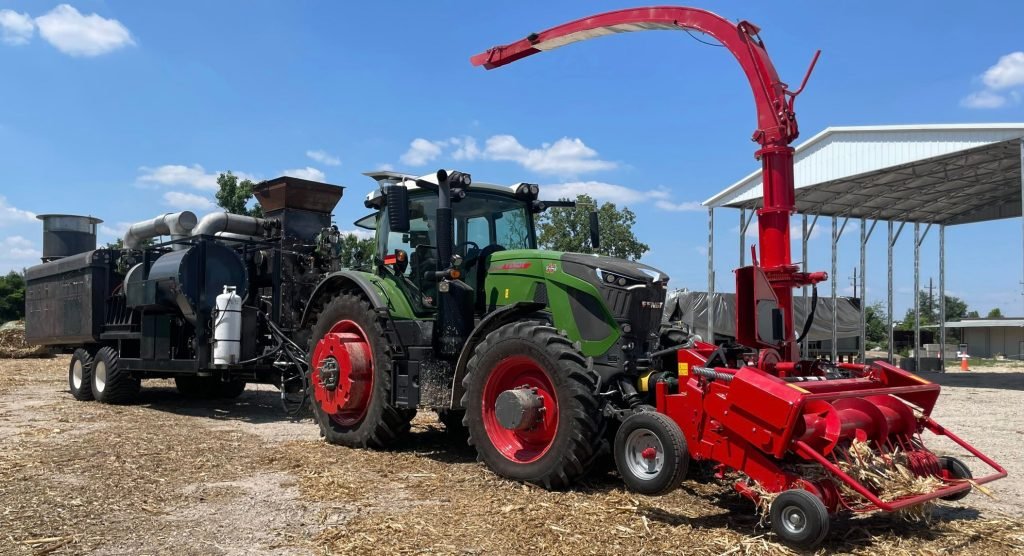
{"x":810,"y":316}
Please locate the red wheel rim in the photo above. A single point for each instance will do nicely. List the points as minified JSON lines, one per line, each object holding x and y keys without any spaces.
{"x":345,"y":346}
{"x":528,"y":445}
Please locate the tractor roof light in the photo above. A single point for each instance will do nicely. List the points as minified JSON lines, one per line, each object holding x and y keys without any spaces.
{"x":527,"y":190}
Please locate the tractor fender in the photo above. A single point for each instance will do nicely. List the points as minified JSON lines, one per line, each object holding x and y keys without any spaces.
{"x":343,"y":280}
{"x":494,"y":320}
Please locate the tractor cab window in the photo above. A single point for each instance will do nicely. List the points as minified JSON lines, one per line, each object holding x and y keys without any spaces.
{"x":420,"y":243}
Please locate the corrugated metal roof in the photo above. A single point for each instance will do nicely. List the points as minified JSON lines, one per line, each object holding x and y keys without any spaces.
{"x":948,"y":174}
{"x":987,"y":323}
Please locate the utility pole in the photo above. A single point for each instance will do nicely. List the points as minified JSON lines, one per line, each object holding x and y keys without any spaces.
{"x":931,"y":302}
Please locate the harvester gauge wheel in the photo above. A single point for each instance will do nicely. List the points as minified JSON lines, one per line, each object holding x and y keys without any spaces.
{"x":955,"y":470}
{"x":80,"y":375}
{"x":651,"y":453}
{"x":799,"y":518}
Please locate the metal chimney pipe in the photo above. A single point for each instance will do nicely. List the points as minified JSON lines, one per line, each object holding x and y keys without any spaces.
{"x":175,"y":224}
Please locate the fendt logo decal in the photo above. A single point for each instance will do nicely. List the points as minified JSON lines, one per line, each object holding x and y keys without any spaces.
{"x":652,"y":304}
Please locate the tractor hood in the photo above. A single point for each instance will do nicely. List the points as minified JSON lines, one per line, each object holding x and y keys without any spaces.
{"x":601,"y":264}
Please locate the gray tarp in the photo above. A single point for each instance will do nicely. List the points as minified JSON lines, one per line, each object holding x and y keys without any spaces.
{"x":691,"y":310}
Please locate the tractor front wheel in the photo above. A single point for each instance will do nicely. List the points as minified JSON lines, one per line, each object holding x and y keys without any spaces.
{"x":531,"y":407}
{"x":349,"y":382}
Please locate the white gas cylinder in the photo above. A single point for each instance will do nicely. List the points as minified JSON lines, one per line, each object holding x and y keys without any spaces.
{"x":227,"y":328}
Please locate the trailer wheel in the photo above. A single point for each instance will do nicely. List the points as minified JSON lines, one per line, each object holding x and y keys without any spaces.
{"x":80,"y":375}
{"x":955,"y":469}
{"x":111,"y":383}
{"x":349,"y":381}
{"x":799,"y":518}
{"x":531,"y":405}
{"x":651,"y":453}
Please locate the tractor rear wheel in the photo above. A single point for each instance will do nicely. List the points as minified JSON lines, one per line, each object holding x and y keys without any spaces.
{"x":80,"y":375}
{"x":651,"y":453}
{"x":531,"y":405}
{"x":349,"y":382}
{"x":110,"y":382}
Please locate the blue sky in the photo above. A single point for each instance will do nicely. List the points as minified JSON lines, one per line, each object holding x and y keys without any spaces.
{"x":126,"y":109}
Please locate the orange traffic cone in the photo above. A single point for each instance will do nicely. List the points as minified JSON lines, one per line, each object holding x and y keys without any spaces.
{"x":963,"y":363}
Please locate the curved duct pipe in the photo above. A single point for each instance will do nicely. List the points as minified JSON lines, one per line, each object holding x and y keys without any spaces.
{"x":218,"y":222}
{"x":228,"y":236}
{"x":175,"y":224}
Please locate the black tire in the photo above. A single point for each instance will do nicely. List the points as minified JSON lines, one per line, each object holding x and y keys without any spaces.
{"x":111,"y":383}
{"x":800,"y":519}
{"x":577,"y":437}
{"x":191,"y":386}
{"x":663,"y":437}
{"x":454,"y":429}
{"x":229,"y":390}
{"x":80,"y":375}
{"x":957,"y":470}
{"x":382,"y":423}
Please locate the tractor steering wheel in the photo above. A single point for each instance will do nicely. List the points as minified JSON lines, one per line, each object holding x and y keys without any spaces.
{"x":465,"y":253}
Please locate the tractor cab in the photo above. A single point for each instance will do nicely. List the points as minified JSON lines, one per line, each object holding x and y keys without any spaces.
{"x":486,"y":219}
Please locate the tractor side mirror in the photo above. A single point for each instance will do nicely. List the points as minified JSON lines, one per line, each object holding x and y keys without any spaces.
{"x":595,"y":231}
{"x":397,"y":197}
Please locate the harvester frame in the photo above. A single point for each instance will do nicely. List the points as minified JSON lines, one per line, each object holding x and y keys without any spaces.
{"x":766,"y":412}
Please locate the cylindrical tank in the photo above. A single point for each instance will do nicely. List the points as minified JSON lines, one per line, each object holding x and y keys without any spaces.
{"x":191,"y":279}
{"x":227,"y":328}
{"x":67,"y":234}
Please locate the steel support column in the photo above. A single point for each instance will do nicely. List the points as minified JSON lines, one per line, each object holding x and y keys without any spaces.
{"x":803,"y":268}
{"x":837,"y":232}
{"x":865,"y":235}
{"x":942,"y":298}
{"x":711,"y":276}
{"x":892,"y":243}
{"x":917,"y":301}
{"x":743,"y":237}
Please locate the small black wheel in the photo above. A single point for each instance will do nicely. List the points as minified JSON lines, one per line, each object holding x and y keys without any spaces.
{"x":454,"y":429}
{"x":80,"y":375}
{"x":956,"y":470}
{"x":800,"y":519}
{"x":111,"y":383}
{"x":651,"y":453}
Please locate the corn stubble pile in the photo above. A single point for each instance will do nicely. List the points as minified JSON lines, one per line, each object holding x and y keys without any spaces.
{"x":66,"y":489}
{"x":12,"y":342}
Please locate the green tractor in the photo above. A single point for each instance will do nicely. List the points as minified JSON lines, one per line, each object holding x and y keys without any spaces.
{"x":539,"y":355}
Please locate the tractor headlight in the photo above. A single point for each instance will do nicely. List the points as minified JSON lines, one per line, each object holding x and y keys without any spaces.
{"x":534,"y":190}
{"x":613,"y":279}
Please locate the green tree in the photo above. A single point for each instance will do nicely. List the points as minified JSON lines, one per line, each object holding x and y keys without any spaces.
{"x":995,"y":314}
{"x":12,"y":297}
{"x":356,"y":252}
{"x":956,"y":309}
{"x":234,"y":195}
{"x":568,"y":229}
{"x":874,"y":317}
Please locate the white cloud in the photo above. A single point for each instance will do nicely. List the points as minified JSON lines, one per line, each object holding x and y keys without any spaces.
{"x":15,"y":29}
{"x":187,"y":201}
{"x":385,"y":167}
{"x":82,"y":35}
{"x":685,"y":206}
{"x":422,"y":151}
{"x":983,"y":99}
{"x":359,"y":233}
{"x":13,"y":215}
{"x":307,"y":173}
{"x":177,"y":174}
{"x":601,"y":191}
{"x":465,"y":148}
{"x":114,"y":230}
{"x":1000,"y":80}
{"x":324,"y":158}
{"x":1008,"y":72}
{"x":18,"y":251}
{"x":567,"y":157}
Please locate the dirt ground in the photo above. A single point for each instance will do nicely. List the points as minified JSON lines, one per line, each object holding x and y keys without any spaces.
{"x":174,"y":476}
